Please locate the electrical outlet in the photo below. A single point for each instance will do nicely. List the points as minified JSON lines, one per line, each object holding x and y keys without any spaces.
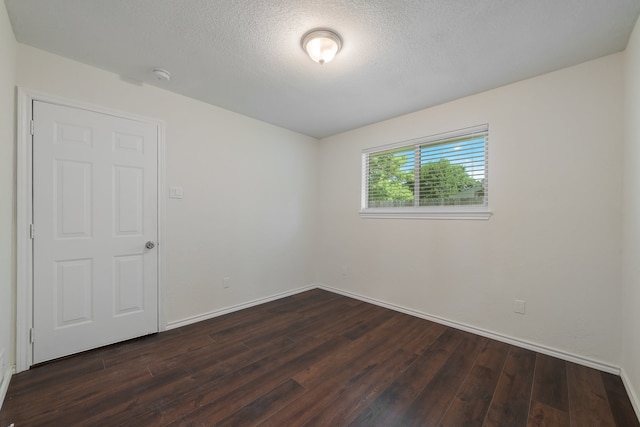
{"x":225,"y":282}
{"x":518,"y":306}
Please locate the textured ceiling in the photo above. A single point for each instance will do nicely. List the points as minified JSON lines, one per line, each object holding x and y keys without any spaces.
{"x":398,"y":56}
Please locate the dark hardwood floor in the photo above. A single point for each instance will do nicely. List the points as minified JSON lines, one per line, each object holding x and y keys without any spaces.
{"x":315,"y":359}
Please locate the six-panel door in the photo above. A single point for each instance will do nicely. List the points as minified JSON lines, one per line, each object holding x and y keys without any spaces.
{"x":95,"y":206}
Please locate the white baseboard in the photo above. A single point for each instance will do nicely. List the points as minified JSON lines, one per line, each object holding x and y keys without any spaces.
{"x":4,"y":387}
{"x":580,"y":360}
{"x":231,"y":309}
{"x":485,"y":333}
{"x":631,"y":392}
{"x":633,"y":396}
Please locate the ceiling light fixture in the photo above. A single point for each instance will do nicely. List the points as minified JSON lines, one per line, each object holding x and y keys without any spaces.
{"x":321,"y":45}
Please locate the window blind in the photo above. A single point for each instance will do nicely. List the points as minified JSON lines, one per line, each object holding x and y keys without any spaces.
{"x":448,"y":169}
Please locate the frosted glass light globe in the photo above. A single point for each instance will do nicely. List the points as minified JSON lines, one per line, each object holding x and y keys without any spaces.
{"x":321,"y":45}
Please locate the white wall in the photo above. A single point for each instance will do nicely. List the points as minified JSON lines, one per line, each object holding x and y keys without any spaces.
{"x":7,"y":188}
{"x":248,"y":211}
{"x":631,"y":241}
{"x":554,"y":239}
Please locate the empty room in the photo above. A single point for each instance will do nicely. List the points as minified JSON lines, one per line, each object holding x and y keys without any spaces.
{"x":319,"y":213}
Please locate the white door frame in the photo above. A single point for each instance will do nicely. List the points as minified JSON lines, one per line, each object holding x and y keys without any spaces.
{"x":24,"y":257}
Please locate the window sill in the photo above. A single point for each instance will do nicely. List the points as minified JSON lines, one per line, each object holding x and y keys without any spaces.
{"x":447,"y":213}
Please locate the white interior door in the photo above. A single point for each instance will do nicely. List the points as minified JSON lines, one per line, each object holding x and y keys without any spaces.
{"x":95,"y":207}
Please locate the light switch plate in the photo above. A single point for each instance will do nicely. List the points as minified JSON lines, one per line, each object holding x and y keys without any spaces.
{"x":175,"y":193}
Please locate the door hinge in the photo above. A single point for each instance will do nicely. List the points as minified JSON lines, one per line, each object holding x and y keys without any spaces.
{"x":31,"y":339}
{"x":31,"y":232}
{"x":31,"y":127}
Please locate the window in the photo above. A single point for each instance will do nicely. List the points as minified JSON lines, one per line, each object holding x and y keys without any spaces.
{"x":441,"y":177}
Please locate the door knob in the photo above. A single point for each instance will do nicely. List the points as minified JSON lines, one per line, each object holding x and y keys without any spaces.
{"x":150,"y":245}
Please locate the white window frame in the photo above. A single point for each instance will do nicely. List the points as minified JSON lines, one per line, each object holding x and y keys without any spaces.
{"x":475,"y":212}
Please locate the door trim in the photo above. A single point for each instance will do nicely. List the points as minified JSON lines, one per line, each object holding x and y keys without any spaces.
{"x":24,"y":217}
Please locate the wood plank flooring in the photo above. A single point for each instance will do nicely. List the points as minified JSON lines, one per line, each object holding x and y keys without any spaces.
{"x":315,"y":359}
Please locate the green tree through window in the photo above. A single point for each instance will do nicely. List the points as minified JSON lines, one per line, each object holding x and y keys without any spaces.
{"x":451,"y":172}
{"x":389,"y":181}
{"x":440,"y":181}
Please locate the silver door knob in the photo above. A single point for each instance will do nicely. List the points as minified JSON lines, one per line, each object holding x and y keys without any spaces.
{"x":150,"y":245}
